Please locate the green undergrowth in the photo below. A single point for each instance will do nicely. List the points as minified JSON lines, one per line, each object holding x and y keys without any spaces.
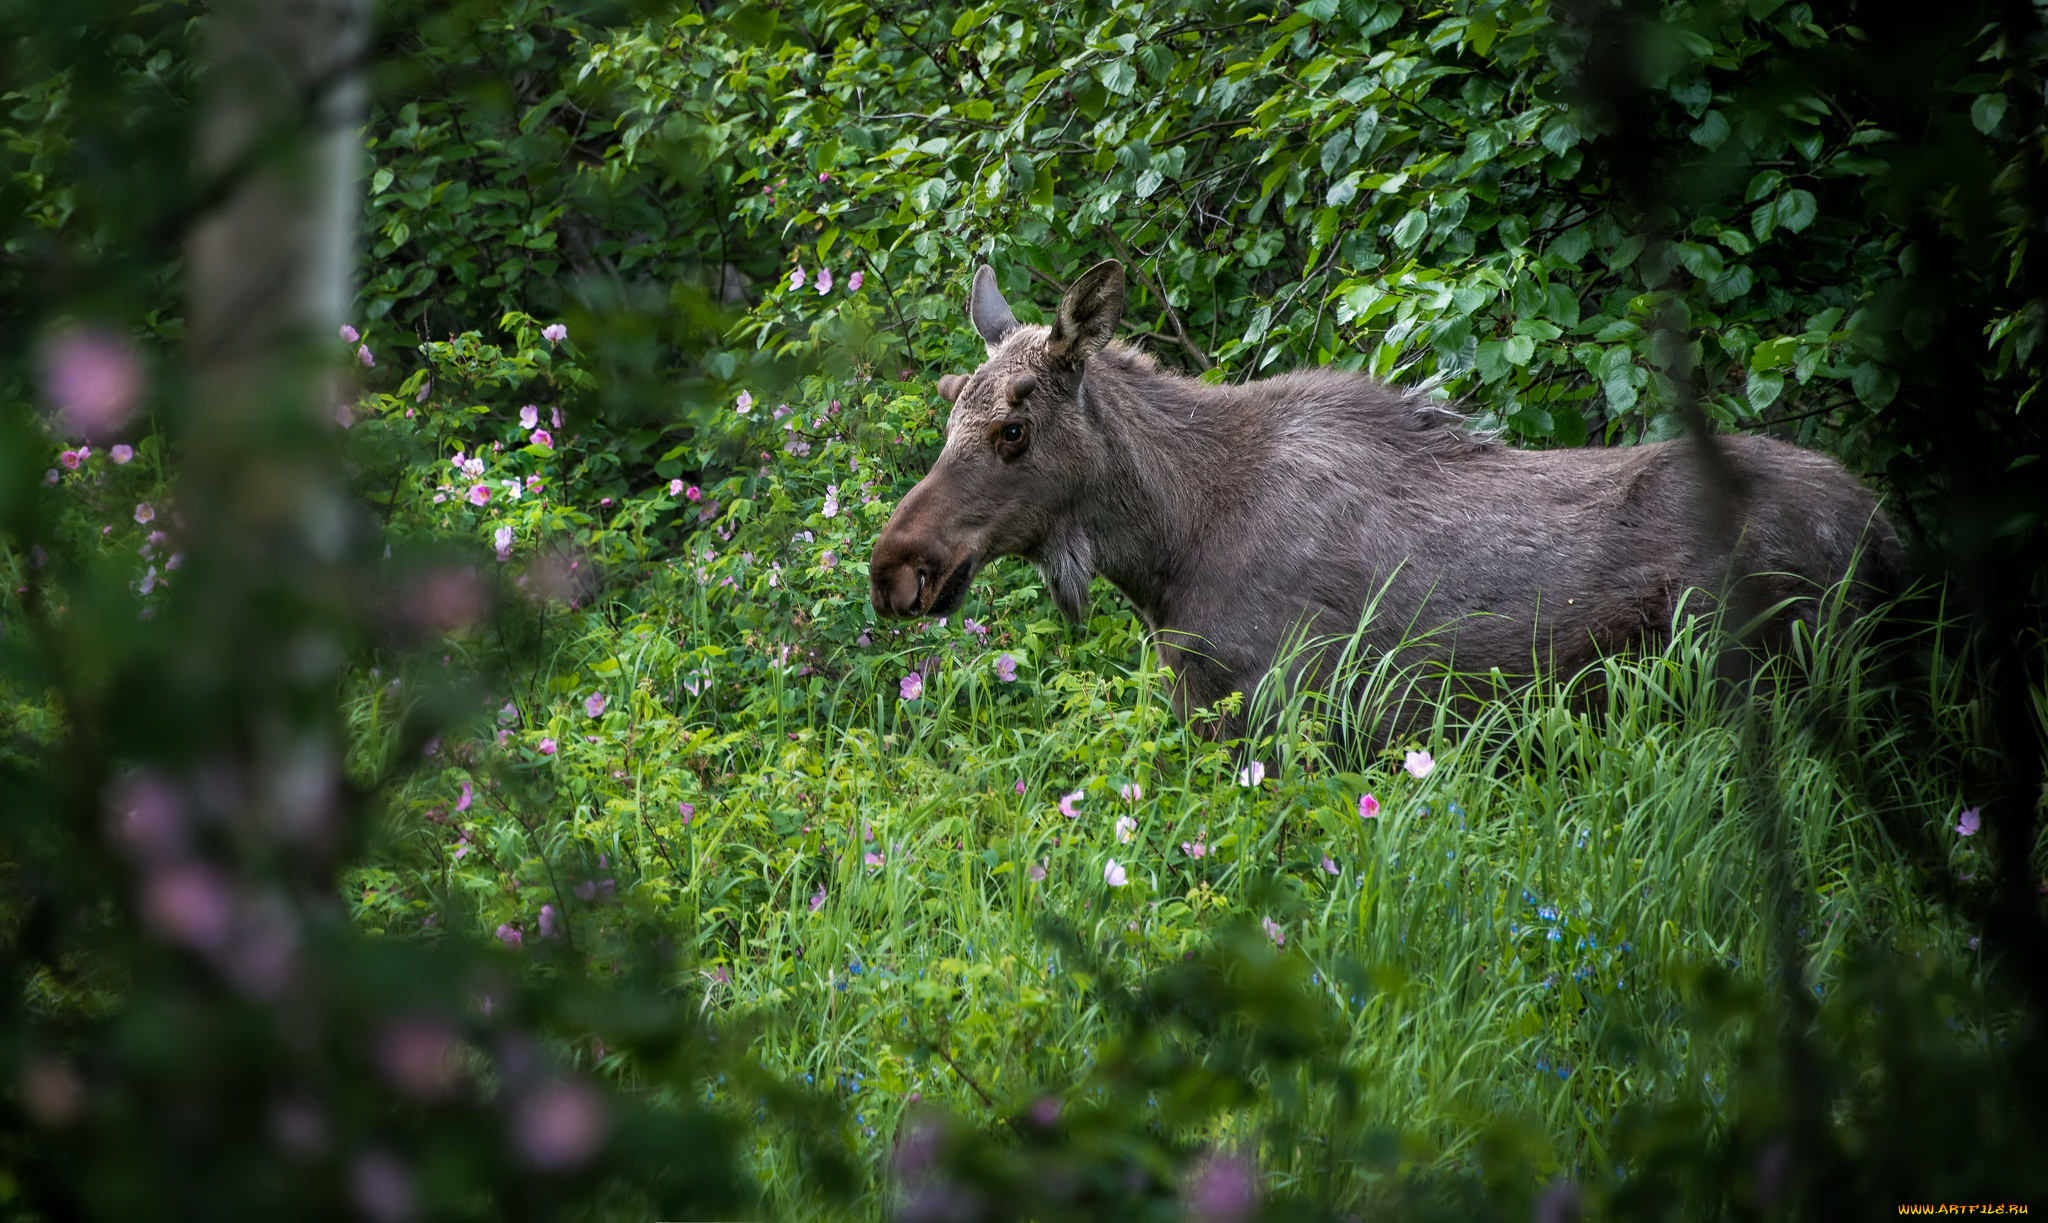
{"x":884,"y":892}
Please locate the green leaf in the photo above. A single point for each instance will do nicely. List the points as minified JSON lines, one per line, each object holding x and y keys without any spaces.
{"x":1520,"y":349}
{"x":1763,"y":388}
{"x":1986,"y":111}
{"x":1797,"y":209}
{"x":1409,"y":229}
{"x":1118,"y":76}
{"x":1712,"y":131}
{"x":1874,"y":384}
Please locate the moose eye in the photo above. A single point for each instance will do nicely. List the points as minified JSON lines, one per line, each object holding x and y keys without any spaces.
{"x":1012,"y":438}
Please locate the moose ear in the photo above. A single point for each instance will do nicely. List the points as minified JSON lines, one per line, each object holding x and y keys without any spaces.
{"x":1088,"y":314}
{"x":949,"y":387}
{"x":987,"y":310}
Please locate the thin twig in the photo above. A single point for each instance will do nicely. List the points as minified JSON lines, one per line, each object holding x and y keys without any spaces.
{"x":1145,"y":278}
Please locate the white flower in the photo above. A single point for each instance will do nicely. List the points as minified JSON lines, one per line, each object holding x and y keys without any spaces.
{"x":1252,"y":775}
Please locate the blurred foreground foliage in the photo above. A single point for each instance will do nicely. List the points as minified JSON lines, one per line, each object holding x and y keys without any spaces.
{"x":649,"y":301}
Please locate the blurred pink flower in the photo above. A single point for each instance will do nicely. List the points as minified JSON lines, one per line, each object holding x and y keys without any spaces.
{"x":911,"y":686}
{"x":818,"y":898}
{"x":51,"y":1094}
{"x":1368,"y":807}
{"x":853,"y":283}
{"x":693,"y":493}
{"x":1020,"y":785}
{"x":92,"y":377}
{"x":1067,"y":802}
{"x":1220,"y":1189}
{"x":824,"y":284}
{"x":1130,"y":792}
{"x":548,"y":927}
{"x":675,"y":488}
{"x":871,"y":858}
{"x":1252,"y":774}
{"x":1126,"y":828}
{"x":1418,"y":764}
{"x":122,"y":453}
{"x":1006,"y":669}
{"x":594,"y":704}
{"x":1968,"y":822}
{"x":688,"y":811}
{"x":796,"y":277}
{"x":1037,"y":871}
{"x":363,"y":355}
{"x":744,"y":404}
{"x":1113,"y":874}
{"x":462,"y":804}
{"x":547,"y":747}
{"x":1329,"y":865}
{"x":510,"y":936}
{"x":529,"y":417}
{"x":70,"y":459}
{"x":559,"y":1125}
{"x":148,"y":818}
{"x":350,"y":335}
{"x":189,"y":903}
{"x":419,"y":1056}
{"x":555,"y":416}
{"x":50,"y":476}
{"x":1273,"y":931}
{"x":502,"y":537}
{"x":824,"y":176}
{"x":443,"y":599}
{"x":543,"y":439}
{"x":554,"y":333}
{"x":1194,"y":849}
{"x":145,"y":512}
{"x":381,"y":1187}
{"x":479,"y":494}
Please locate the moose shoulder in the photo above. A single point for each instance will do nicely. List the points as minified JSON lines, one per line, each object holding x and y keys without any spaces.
{"x":1237,"y":518}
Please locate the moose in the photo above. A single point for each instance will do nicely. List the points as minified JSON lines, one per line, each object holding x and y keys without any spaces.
{"x":1241,"y":519}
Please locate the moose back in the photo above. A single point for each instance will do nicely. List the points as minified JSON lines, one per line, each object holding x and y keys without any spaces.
{"x":1239,"y":518}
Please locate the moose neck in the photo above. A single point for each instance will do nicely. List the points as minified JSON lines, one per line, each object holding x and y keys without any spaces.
{"x":1173,"y":460}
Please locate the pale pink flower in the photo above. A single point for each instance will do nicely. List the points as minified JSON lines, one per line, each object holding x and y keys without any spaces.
{"x":71,"y":459}
{"x":145,"y":512}
{"x":122,"y":453}
{"x":853,"y":283}
{"x":1130,"y":792}
{"x":871,"y":858}
{"x":529,"y":417}
{"x":1418,"y":764}
{"x":547,"y":747}
{"x":693,"y":493}
{"x":911,"y":686}
{"x":1221,"y":1189}
{"x":510,"y":936}
{"x":350,"y":335}
{"x":462,"y":804}
{"x":796,"y":277}
{"x":744,"y":404}
{"x":543,"y":439}
{"x":1020,"y":785}
{"x":1113,"y":874}
{"x":479,"y":494}
{"x":50,"y":476}
{"x":363,"y":355}
{"x":1067,"y":802}
{"x":1037,"y":871}
{"x":824,"y":284}
{"x":688,"y":811}
{"x":1126,"y":828}
{"x":818,"y":898}
{"x":1329,"y":865}
{"x":1273,"y":931}
{"x":93,"y":378}
{"x":419,"y":1056}
{"x":1194,"y":849}
{"x":594,"y":704}
{"x":1006,"y":669}
{"x":1368,"y":807}
{"x":554,"y":333}
{"x":1252,"y":775}
{"x":560,"y":1126}
{"x":831,"y":507}
{"x":426,"y":391}
{"x":502,"y":537}
{"x":1968,"y":822}
{"x":675,"y":488}
{"x":555,"y":415}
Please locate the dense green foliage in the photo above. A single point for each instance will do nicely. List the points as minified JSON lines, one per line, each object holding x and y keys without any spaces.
{"x":651,"y":298}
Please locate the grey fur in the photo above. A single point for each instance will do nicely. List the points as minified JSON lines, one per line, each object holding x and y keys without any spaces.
{"x":1234,"y":518}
